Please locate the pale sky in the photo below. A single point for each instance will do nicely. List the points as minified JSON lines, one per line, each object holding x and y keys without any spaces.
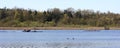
{"x":101,"y":5}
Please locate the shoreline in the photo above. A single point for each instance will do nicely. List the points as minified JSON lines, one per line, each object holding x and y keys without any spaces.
{"x":58,"y":28}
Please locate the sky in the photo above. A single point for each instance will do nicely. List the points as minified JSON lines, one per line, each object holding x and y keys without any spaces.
{"x":41,"y":5}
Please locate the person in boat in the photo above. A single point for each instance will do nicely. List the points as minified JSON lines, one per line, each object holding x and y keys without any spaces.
{"x":26,"y":30}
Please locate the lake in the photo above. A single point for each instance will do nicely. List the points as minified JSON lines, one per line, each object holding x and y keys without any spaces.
{"x":60,"y":39}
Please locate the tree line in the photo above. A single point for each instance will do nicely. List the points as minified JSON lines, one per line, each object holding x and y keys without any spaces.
{"x":19,"y":17}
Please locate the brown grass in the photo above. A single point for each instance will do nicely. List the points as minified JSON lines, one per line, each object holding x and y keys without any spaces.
{"x":58,"y":28}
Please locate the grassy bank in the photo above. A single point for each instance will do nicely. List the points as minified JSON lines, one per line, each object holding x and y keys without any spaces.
{"x":58,"y":28}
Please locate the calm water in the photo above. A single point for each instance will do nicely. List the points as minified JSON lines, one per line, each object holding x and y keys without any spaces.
{"x":60,"y":39}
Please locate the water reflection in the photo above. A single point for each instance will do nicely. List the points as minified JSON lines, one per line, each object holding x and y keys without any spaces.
{"x":60,"y":39}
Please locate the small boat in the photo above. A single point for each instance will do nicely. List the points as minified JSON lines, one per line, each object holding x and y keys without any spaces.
{"x":26,"y":30}
{"x":31,"y":31}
